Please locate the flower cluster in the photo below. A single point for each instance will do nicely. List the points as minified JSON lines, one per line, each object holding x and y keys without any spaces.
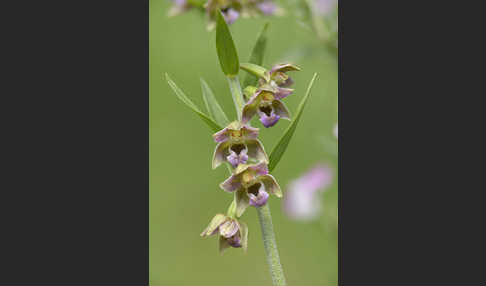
{"x":231,"y":9}
{"x":267,"y":98}
{"x":239,"y":147}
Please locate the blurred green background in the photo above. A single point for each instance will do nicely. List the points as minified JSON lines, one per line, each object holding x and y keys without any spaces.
{"x":184,"y":192}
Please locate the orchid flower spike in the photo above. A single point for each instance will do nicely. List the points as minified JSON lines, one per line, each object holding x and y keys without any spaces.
{"x":238,"y":144}
{"x":252,"y":185}
{"x":232,"y":233}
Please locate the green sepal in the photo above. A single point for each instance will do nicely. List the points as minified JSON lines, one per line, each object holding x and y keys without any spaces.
{"x":225,"y":47}
{"x":212,"y":105}
{"x":282,"y":144}
{"x":256,"y":70}
{"x":223,"y":244}
{"x":214,"y":224}
{"x":244,"y":235}
{"x":257,"y":54}
{"x":242,"y":202}
{"x":215,"y":127}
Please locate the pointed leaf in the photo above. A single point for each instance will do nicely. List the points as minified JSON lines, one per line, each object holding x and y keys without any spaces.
{"x":212,"y":105}
{"x":256,"y":70}
{"x":282,"y":144}
{"x":225,"y":47}
{"x":215,"y":127}
{"x":257,"y":54}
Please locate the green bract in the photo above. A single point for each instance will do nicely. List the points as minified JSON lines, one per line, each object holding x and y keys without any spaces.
{"x":180,"y":94}
{"x":282,"y":144}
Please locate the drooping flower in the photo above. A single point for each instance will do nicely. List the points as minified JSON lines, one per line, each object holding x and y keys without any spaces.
{"x":303,"y":200}
{"x":252,"y":185}
{"x":238,"y":144}
{"x":232,"y":233}
{"x":266,"y":102}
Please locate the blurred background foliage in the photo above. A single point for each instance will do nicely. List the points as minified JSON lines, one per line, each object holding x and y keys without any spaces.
{"x":184,"y":192}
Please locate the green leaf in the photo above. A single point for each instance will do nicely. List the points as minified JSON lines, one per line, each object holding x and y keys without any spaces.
{"x":256,"y":70}
{"x":212,"y":105}
{"x":257,"y":54}
{"x":282,"y":144}
{"x":215,"y":127}
{"x":225,"y":47}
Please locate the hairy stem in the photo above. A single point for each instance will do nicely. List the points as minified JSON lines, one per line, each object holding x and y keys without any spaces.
{"x":270,"y":245}
{"x":237,"y":94}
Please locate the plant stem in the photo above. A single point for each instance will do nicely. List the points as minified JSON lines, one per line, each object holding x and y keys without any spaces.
{"x":270,"y":245}
{"x":264,"y":215}
{"x":237,"y":94}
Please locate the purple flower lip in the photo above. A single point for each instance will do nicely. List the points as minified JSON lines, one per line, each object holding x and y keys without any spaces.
{"x":234,"y":241}
{"x":238,"y":155}
{"x":268,"y":121}
{"x":257,"y":195}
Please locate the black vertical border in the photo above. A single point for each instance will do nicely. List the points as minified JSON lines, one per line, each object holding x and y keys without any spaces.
{"x":76,"y":143}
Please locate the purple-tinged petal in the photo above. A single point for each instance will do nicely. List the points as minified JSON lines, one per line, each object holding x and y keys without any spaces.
{"x":228,"y":228}
{"x":283,"y":93}
{"x":249,"y":133}
{"x":284,"y":68}
{"x":256,"y":151}
{"x":230,"y":16}
{"x":238,"y":155}
{"x":280,"y":109}
{"x":221,"y":136}
{"x":260,"y":169}
{"x":231,"y":184}
{"x":220,"y":152}
{"x":271,"y":185}
{"x":257,"y":195}
{"x":267,"y":7}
